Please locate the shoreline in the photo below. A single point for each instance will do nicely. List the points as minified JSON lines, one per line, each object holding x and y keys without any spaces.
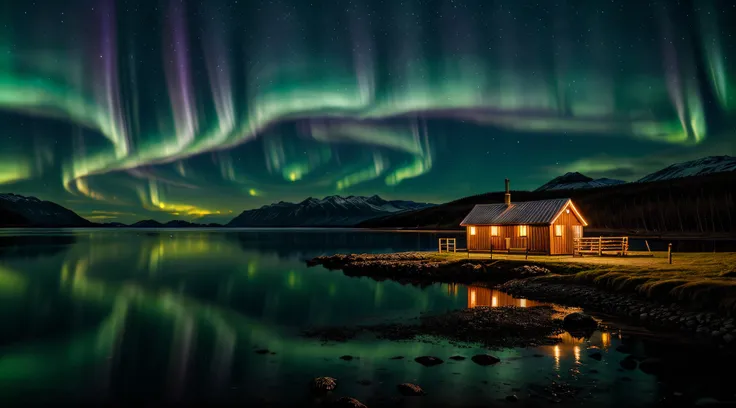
{"x":659,"y":303}
{"x":590,"y":232}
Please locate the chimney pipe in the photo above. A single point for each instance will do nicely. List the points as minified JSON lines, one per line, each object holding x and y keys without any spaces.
{"x":507,"y":196}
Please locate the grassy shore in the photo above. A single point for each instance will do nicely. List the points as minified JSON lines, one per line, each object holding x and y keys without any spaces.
{"x":700,"y":279}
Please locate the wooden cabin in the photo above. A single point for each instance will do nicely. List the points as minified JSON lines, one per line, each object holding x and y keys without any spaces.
{"x":542,"y":227}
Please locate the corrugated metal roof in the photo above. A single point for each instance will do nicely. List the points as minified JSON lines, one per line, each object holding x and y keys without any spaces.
{"x":528,"y":212}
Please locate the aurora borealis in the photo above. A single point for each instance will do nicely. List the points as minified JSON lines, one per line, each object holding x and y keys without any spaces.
{"x":123,"y":110}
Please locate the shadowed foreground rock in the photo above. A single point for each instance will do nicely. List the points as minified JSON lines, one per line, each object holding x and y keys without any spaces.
{"x":579,"y":321}
{"x":492,"y":327}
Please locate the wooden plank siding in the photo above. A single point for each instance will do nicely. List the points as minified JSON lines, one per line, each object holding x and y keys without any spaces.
{"x":563,"y":245}
{"x":537,"y":239}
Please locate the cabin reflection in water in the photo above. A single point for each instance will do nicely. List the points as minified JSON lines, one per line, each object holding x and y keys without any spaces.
{"x":478,"y":296}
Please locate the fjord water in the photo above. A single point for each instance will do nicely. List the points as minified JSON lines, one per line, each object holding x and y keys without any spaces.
{"x":179,"y":315}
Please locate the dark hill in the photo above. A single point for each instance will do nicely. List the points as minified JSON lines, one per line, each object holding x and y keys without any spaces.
{"x":697,"y":204}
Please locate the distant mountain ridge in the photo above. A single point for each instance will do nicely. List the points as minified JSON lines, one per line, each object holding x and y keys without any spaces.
{"x":331,"y":211}
{"x":21,"y":211}
{"x":575,"y":180}
{"x":699,"y":167}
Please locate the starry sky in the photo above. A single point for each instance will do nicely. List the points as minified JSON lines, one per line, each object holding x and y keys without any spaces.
{"x":198,"y":109}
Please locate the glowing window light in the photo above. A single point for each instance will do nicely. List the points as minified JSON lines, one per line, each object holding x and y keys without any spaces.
{"x":522,"y":230}
{"x":472,"y":230}
{"x":494,"y":230}
{"x":558,"y":230}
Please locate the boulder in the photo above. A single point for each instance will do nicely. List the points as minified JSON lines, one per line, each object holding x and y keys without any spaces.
{"x":457,"y":358}
{"x":410,"y":390}
{"x":428,"y":361}
{"x":485,"y":359}
{"x":596,"y":356}
{"x":323,"y":384}
{"x":346,"y":358}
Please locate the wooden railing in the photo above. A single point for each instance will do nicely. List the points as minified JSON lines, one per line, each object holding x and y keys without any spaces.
{"x":447,"y":244}
{"x":601,"y":245}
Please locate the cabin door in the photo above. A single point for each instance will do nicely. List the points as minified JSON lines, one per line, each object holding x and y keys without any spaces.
{"x":508,"y":243}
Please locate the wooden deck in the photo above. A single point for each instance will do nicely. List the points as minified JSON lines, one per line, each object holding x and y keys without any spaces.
{"x":601,"y":246}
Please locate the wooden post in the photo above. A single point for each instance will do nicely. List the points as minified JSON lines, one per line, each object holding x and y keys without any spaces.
{"x":491,"y":249}
{"x":648,"y":249}
{"x":669,"y":253}
{"x":600,"y":248}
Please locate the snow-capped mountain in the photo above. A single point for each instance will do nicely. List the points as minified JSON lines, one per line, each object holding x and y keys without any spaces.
{"x":575,"y":181}
{"x":329,"y":211}
{"x":22,"y":211}
{"x":706,"y":165}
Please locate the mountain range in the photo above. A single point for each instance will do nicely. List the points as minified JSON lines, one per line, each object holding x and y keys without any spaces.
{"x":20,"y":211}
{"x":332,"y":211}
{"x":712,"y":177}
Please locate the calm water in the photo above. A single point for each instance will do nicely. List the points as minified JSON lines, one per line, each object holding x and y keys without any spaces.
{"x":176,"y":315}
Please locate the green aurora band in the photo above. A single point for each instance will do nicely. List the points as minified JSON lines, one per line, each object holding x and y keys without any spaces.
{"x":327,"y":97}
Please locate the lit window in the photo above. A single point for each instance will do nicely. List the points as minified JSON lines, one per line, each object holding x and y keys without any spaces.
{"x":494,"y":231}
{"x":472,"y":230}
{"x":522,"y":230}
{"x":558,"y":230}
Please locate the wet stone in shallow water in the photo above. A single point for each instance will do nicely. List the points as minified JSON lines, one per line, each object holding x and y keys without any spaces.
{"x":428,"y":361}
{"x":410,"y":390}
{"x":347,"y":402}
{"x":457,"y":358}
{"x":323,"y":384}
{"x":596,"y":356}
{"x":485,"y":359}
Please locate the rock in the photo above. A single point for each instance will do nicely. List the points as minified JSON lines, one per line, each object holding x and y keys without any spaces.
{"x":643,"y":316}
{"x":485,"y":359}
{"x":397,"y":358}
{"x":346,"y":358}
{"x":512,"y":398}
{"x":596,"y":356}
{"x":728,"y":338}
{"x":428,"y":361}
{"x":262,"y":351}
{"x":628,"y":363}
{"x":651,"y":366}
{"x":324,"y":384}
{"x":579,"y":321}
{"x":457,"y":358}
{"x":347,"y":402}
{"x":410,"y":390}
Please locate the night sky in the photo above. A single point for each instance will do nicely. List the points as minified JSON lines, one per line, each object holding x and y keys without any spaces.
{"x":124,"y":110}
